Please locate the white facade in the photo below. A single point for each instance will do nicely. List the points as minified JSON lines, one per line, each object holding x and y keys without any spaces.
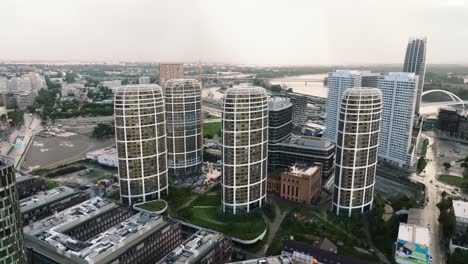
{"x":144,"y":80}
{"x":107,"y":156}
{"x":399,"y":97}
{"x":460,"y":209}
{"x":338,"y":82}
{"x":19,"y":84}
{"x":3,"y":85}
{"x":24,"y":99}
{"x":112,"y":84}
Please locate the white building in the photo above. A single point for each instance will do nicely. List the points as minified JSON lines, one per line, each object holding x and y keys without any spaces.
{"x":338,"y":82}
{"x":24,"y":99}
{"x":413,"y":244}
{"x":144,"y":80}
{"x":3,"y":85}
{"x":106,"y":156}
{"x":112,"y":84}
{"x":73,"y":90}
{"x":399,"y":98}
{"x":460,"y":209}
{"x":36,"y":81}
{"x":19,"y":84}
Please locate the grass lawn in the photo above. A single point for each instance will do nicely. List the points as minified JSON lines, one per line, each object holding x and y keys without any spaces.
{"x":114,"y":196}
{"x":453,"y":180}
{"x":207,"y":200}
{"x":178,"y":196}
{"x":211,"y":130}
{"x":212,"y":117}
{"x":51,"y":184}
{"x":153,"y":206}
{"x":424,"y":147}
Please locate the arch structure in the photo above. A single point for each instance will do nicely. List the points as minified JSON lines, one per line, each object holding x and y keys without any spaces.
{"x":452,"y":96}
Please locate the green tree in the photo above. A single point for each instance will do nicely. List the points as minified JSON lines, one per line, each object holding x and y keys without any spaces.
{"x":447,"y":165}
{"x":17,"y":118}
{"x":103,"y":130}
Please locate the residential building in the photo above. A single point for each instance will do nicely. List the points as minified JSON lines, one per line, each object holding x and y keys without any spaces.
{"x":305,"y":253}
{"x":27,"y":185}
{"x":3,"y":85}
{"x":37,"y":82}
{"x":415,"y":62}
{"x":140,"y":129}
{"x":144,"y":80}
{"x":413,"y":244}
{"x":73,"y":90}
{"x":48,"y":202}
{"x":299,"y":108}
{"x":114,"y":84}
{"x":11,"y":239}
{"x":24,"y":99}
{"x":245,"y":148}
{"x":300,"y":184}
{"x":356,"y":151}
{"x":19,"y":84}
{"x":338,"y":82}
{"x":203,"y":247}
{"x":279,"y":119}
{"x":303,"y":149}
{"x":105,"y":156}
{"x":99,"y":231}
{"x":399,"y":96}
{"x":168,"y":71}
{"x":184,"y":127}
{"x":460,"y":209}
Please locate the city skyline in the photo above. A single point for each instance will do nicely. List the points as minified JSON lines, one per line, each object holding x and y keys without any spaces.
{"x":213,"y":31}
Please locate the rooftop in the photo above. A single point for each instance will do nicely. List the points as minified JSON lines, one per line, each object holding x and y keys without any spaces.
{"x":414,"y":233}
{"x":197,"y":245}
{"x":344,"y":73}
{"x":46,"y":197}
{"x":50,"y":232}
{"x":460,"y":208}
{"x":310,"y":141}
{"x":300,"y":169}
{"x":267,"y":260}
{"x":278,"y":103}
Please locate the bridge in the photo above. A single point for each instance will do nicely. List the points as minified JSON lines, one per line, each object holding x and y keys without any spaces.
{"x":455,"y":99}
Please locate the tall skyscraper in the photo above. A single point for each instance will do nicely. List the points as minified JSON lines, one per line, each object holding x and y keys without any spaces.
{"x":338,"y":82}
{"x":11,"y":229}
{"x":399,"y":95}
{"x":415,"y":62}
{"x":168,"y":71}
{"x":140,"y":129}
{"x":245,"y":148}
{"x":356,"y":150}
{"x":299,"y":108}
{"x":279,"y":119}
{"x":184,"y":128}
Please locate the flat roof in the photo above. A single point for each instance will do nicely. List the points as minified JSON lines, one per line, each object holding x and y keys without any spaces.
{"x":415,"y":217}
{"x":197,"y":245}
{"x":414,"y":233}
{"x":278,"y":103}
{"x":46,"y":197}
{"x":49,"y":233}
{"x":267,"y":260}
{"x":460,"y":208}
{"x":303,"y":170}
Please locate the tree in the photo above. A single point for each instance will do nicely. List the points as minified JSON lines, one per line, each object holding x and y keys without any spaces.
{"x":70,"y":77}
{"x":447,"y":165}
{"x":103,"y":130}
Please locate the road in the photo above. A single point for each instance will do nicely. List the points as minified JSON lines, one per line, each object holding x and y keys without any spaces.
{"x":431,"y":212}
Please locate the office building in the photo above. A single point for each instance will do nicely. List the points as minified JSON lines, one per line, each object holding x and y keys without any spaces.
{"x":203,"y":247}
{"x":413,"y":244}
{"x":449,"y":119}
{"x":140,"y":129}
{"x":299,"y":108}
{"x":24,"y":99}
{"x":168,"y":71}
{"x":184,"y":127}
{"x":460,"y":209}
{"x":245,"y":148}
{"x":338,"y":82}
{"x":415,"y":62}
{"x":48,"y":202}
{"x":370,"y":79}
{"x":300,"y":184}
{"x":279,"y":119}
{"x":303,"y":149}
{"x":28,"y":185}
{"x":11,"y":239}
{"x":399,"y":96}
{"x":100,"y":231}
{"x":356,"y":150}
{"x":144,"y":80}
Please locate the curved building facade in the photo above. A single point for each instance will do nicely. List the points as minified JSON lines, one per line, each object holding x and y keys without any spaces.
{"x":245,"y":149}
{"x":356,"y":150}
{"x":184,"y":127}
{"x":140,"y":130}
{"x":11,"y":229}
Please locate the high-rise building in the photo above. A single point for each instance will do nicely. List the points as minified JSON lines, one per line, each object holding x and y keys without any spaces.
{"x":356,"y":150}
{"x":415,"y":62}
{"x":245,"y":148}
{"x":338,"y":82}
{"x":299,"y":108}
{"x":370,"y":79}
{"x":19,"y":84}
{"x":184,"y":128}
{"x":11,"y":239}
{"x":144,"y":80}
{"x":140,"y":129}
{"x":168,"y":71}
{"x":279,"y":119}
{"x":399,"y":99}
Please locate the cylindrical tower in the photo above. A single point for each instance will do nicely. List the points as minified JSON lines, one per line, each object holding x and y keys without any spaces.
{"x":140,"y":130}
{"x":11,"y":229}
{"x":184,"y":128}
{"x":356,"y":150}
{"x":245,"y":148}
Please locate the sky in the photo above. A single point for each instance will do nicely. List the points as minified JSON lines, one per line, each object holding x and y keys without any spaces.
{"x":314,"y":32}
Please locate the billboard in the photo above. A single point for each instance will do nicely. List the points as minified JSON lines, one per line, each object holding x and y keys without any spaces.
{"x":410,"y":252}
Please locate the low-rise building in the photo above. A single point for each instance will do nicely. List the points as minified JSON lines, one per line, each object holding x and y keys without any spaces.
{"x":96,"y":231}
{"x":203,"y":247}
{"x":27,"y":185}
{"x":460,"y":209}
{"x":24,"y":99}
{"x":413,"y":244}
{"x":282,"y":259}
{"x":47,"y":203}
{"x":105,"y":156}
{"x":300,"y":184}
{"x":114,"y":84}
{"x":144,"y":80}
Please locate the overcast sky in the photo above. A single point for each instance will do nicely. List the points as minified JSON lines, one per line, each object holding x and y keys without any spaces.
{"x":235,"y":31}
